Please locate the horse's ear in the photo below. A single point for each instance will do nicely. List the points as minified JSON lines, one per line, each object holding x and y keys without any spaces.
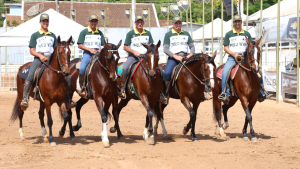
{"x":58,"y":39}
{"x":146,"y":46}
{"x":119,"y":44}
{"x":70,"y":39}
{"x":158,"y":44}
{"x":214,"y":56}
{"x":248,"y":42}
{"x":258,"y":41}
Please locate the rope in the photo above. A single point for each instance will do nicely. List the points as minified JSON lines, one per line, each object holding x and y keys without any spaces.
{"x":192,"y":73}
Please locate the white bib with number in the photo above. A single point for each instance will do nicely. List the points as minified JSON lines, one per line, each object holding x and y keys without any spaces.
{"x":136,"y":44}
{"x":92,"y":41}
{"x":44,"y":44}
{"x":178,"y":43}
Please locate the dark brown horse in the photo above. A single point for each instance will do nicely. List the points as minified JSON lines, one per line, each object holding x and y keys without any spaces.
{"x":246,"y":85}
{"x":190,"y":88}
{"x":104,"y":87}
{"x":52,"y":85}
{"x":148,"y":85}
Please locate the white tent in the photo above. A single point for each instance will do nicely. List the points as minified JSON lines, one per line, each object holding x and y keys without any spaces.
{"x":58,"y":24}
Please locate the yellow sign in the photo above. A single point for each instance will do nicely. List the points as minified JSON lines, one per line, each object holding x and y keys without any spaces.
{"x":294,"y":25}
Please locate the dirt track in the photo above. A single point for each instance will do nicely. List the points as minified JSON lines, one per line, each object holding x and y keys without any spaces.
{"x":276,"y":126}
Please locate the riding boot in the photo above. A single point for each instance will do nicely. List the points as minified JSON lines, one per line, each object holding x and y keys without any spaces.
{"x":122,"y":92}
{"x":164,"y":98}
{"x":81,"y":81}
{"x":25,"y":103}
{"x":69,"y":102}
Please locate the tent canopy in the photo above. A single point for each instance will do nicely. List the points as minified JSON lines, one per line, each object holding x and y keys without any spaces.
{"x":58,"y":24}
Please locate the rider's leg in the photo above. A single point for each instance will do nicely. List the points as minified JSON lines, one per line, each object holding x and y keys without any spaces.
{"x":262,"y":93}
{"x":172,"y":62}
{"x":84,"y":62}
{"x":226,"y":95}
{"x":28,"y":82}
{"x":129,"y":61}
{"x":70,"y":104}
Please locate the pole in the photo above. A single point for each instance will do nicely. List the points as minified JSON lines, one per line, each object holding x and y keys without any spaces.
{"x":221,"y":47}
{"x":133,"y":13}
{"x":232,"y":13}
{"x":187,"y":20}
{"x":260,"y":31}
{"x":298,"y":73}
{"x":104,"y":22}
{"x":149,"y":19}
{"x":212,"y":26}
{"x":129,"y":20}
{"x":168,"y":18}
{"x":57,"y":6}
{"x":277,"y":52}
{"x":247,"y":15}
{"x":203,"y":26}
{"x":71,"y":8}
{"x":191,"y":19}
{"x":6,"y":62}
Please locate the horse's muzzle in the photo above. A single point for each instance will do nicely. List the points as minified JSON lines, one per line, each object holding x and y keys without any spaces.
{"x":153,"y":76}
{"x":66,"y":73}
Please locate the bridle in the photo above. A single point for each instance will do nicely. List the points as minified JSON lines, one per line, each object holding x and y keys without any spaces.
{"x":105,"y":58}
{"x":144,"y":56}
{"x":57,"y":55}
{"x":240,"y":59}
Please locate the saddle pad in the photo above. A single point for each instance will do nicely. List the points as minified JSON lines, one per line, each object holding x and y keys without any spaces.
{"x":24,"y":73}
{"x":120,"y":69}
{"x":78,"y":65}
{"x":233,"y":72}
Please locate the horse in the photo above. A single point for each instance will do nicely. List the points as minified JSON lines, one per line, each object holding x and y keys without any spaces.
{"x":192,"y":79}
{"x":148,"y":85}
{"x":246,"y":84}
{"x":52,"y":85}
{"x":103,"y":81}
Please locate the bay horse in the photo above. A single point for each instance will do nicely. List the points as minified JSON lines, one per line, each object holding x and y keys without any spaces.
{"x":246,"y":85}
{"x":148,"y":85}
{"x":52,"y":86}
{"x":191,"y":89}
{"x":103,"y":81}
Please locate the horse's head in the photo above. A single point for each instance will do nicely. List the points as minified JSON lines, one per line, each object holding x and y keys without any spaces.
{"x":111,"y":59}
{"x":253,"y":62}
{"x":208,"y":68}
{"x":64,"y":54}
{"x":152,"y":57}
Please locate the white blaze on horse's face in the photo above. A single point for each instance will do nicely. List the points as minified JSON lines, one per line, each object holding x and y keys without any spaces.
{"x":67,"y":50}
{"x":255,"y":57}
{"x":116,"y":57}
{"x":211,"y":76}
{"x":152,"y":61}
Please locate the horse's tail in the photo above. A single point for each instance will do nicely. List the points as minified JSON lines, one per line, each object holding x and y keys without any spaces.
{"x":15,"y":112}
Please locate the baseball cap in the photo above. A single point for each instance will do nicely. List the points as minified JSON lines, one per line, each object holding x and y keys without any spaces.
{"x":138,"y":17}
{"x":44,"y":16}
{"x":176,"y":18}
{"x":237,"y":17}
{"x":93,"y":16}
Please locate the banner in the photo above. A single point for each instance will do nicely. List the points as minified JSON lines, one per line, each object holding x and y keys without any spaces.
{"x":185,"y":4}
{"x":145,"y":13}
{"x":269,"y":78}
{"x":164,"y":10}
{"x":289,"y":82}
{"x":127,"y":12}
{"x":180,"y":6}
{"x":174,"y":9}
{"x":292,"y":28}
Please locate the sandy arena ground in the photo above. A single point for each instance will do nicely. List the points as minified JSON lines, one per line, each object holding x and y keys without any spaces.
{"x":276,"y":126}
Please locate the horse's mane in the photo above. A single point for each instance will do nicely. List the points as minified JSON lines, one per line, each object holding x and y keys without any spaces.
{"x":197,"y":56}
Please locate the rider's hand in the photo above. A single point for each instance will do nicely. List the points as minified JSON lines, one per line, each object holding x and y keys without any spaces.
{"x":93,"y":51}
{"x":235,"y":55}
{"x":99,"y":50}
{"x":177,"y":57}
{"x":137,"y":54}
{"x":43,"y":58}
{"x":190,"y":55}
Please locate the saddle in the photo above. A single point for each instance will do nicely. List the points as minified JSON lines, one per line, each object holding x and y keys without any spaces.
{"x":86,"y":84}
{"x":230,"y":77}
{"x":37,"y":75}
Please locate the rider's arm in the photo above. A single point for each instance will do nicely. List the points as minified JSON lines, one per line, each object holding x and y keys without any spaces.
{"x":34,"y":53}
{"x":129,"y":50}
{"x":227,"y":50}
{"x":167,"y":50}
{"x":192,"y":50}
{"x":82,"y":47}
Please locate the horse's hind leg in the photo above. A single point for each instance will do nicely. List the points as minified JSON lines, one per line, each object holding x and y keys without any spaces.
{"x":41,"y":116}
{"x":116,"y":114}
{"x":116,"y":118}
{"x":225,"y":111}
{"x":148,"y":138}
{"x":248,"y":119}
{"x":80,"y":103}
{"x":159,"y":108}
{"x":217,"y":108}
{"x":186,"y":102}
{"x":49,"y":122}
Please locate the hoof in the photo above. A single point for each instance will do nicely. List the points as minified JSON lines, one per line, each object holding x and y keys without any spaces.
{"x":53,"y":144}
{"x":106,"y":144}
{"x":225,"y":126}
{"x":22,"y":138}
{"x":222,"y":134}
{"x":245,"y":138}
{"x":194,"y":139}
{"x":166,"y":137}
{"x":150,"y":140}
{"x":45,"y":139}
{"x":112,"y":130}
{"x":76,"y":128}
{"x":184,"y":132}
{"x":254,"y":140}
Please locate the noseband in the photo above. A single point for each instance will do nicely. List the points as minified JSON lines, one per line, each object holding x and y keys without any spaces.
{"x":239,"y":60}
{"x":145,"y":57}
{"x":105,"y":59}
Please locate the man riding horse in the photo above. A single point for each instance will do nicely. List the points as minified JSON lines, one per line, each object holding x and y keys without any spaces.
{"x":42,"y":44}
{"x":90,"y":41}
{"x":133,"y":45}
{"x":175,"y":46}
{"x":235,"y":45}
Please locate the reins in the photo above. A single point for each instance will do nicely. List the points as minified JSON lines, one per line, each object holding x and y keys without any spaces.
{"x":60,"y":65}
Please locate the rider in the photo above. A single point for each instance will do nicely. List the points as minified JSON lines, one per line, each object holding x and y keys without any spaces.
{"x":233,"y":46}
{"x":175,"y":46}
{"x":90,"y":40}
{"x":133,"y":45}
{"x":42,"y":44}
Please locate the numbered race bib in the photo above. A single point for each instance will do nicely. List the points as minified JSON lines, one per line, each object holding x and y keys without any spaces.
{"x":238,"y":44}
{"x":45,"y":44}
{"x":92,"y":41}
{"x":136,"y":44}
{"x":178,"y":43}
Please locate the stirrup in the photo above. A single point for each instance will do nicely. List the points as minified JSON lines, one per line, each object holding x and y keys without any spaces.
{"x":71,"y":105}
{"x":24,"y":104}
{"x":122,"y":94}
{"x":224,"y":98}
{"x":163,"y":99}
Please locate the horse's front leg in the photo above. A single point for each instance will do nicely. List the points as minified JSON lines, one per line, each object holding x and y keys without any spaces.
{"x":186,"y":102}
{"x":248,"y":119}
{"x":99,"y":103}
{"x":148,"y":138}
{"x":49,"y":122}
{"x":79,"y":105}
